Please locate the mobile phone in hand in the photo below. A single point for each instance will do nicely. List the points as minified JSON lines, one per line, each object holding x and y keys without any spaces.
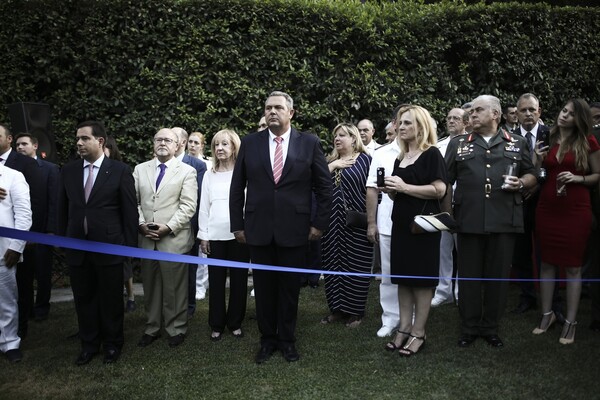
{"x":380,"y":177}
{"x":544,"y":138}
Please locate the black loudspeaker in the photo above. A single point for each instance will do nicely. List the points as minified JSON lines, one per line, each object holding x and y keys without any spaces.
{"x":35,"y":119}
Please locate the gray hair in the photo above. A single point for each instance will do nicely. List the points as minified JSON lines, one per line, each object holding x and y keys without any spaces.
{"x":528,"y":96}
{"x":493,"y":102}
{"x":288,"y":98}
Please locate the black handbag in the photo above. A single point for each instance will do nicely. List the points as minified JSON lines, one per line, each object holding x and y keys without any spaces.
{"x":354,"y":219}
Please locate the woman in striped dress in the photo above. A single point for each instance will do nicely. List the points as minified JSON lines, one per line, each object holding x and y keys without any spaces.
{"x":346,"y":249}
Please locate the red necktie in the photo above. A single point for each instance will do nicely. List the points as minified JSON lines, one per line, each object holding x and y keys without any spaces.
{"x":278,"y":160}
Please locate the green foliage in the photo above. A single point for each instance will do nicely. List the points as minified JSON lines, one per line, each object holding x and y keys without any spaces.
{"x":209,"y":64}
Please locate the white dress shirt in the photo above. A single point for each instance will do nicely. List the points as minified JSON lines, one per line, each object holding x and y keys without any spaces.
{"x":384,"y":157}
{"x":273,"y":144}
{"x":86,"y":169}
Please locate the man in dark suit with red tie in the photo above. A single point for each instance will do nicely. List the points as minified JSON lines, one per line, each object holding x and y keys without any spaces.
{"x":97,"y":202}
{"x":279,"y":168}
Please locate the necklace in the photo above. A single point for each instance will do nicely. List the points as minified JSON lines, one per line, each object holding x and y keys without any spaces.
{"x":409,"y":156}
{"x":346,"y":158}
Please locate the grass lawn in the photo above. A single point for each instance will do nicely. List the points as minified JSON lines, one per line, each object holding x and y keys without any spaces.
{"x":336,"y":362}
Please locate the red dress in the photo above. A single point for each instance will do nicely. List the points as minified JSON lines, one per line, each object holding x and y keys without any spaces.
{"x":564,"y":223}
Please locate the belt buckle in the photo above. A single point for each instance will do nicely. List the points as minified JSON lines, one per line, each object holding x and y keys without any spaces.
{"x":488,"y":188}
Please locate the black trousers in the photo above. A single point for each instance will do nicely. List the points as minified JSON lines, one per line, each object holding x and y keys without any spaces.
{"x":43,"y":276}
{"x":98,"y":295}
{"x":193,"y":269}
{"x":231,"y":315}
{"x":276,"y":293}
{"x":481,"y":303}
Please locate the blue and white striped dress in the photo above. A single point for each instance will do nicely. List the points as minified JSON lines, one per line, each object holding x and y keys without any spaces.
{"x":347,"y":249}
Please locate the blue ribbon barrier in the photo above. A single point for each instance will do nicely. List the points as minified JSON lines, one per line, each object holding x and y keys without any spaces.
{"x":126,"y":251}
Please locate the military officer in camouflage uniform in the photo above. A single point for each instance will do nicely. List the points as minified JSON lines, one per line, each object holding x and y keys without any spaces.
{"x":488,"y":208}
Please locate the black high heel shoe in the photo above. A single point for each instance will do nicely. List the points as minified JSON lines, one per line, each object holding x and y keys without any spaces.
{"x":391,"y":346}
{"x":406,"y":352}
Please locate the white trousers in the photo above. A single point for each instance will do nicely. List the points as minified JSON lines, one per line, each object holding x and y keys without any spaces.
{"x":444,"y":287}
{"x":9,"y":311}
{"x":388,"y":292}
{"x":201,"y":277}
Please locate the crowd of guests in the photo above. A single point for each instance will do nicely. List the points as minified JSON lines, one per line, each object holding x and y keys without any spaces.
{"x":524,"y":197}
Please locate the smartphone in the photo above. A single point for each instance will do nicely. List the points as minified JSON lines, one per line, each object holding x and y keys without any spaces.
{"x":544,"y":138}
{"x":153,"y":227}
{"x":380,"y":177}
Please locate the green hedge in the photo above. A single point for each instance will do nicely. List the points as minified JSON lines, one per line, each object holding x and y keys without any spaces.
{"x":209,"y":64}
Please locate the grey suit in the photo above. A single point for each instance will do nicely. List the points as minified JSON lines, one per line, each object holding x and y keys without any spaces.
{"x":173,"y":204}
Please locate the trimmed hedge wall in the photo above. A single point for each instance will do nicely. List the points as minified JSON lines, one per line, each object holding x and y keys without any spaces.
{"x":209,"y":64}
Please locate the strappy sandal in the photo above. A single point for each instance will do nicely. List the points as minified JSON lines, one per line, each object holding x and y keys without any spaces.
{"x":549,"y":318}
{"x":568,"y":333}
{"x":215,"y":336}
{"x":406,"y":351}
{"x":391,"y":346}
{"x":331,"y":318}
{"x":354,"y":321}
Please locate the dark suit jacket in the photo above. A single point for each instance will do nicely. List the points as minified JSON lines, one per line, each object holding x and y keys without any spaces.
{"x":530,"y":204}
{"x":49,"y":175}
{"x":30,"y":169}
{"x":111,"y":210}
{"x":279,"y":212}
{"x":200,"y":167}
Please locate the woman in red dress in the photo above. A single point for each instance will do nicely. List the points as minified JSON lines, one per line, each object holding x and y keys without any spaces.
{"x":564,"y":213}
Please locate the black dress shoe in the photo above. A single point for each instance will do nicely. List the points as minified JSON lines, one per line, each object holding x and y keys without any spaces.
{"x":147,"y":340}
{"x":84,"y":357}
{"x":523,"y":307}
{"x":264,"y":354}
{"x":40,"y":317}
{"x":176,"y":340}
{"x":73,"y":336}
{"x":289,"y":353}
{"x":494,"y":340}
{"x":14,"y":355}
{"x":465,"y":340}
{"x":111,"y":356}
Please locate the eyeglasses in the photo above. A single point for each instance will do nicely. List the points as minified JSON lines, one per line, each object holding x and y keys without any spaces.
{"x":453,"y":118}
{"x":163,"y":140}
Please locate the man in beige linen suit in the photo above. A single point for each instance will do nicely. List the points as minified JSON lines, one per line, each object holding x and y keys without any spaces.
{"x":167,"y":193}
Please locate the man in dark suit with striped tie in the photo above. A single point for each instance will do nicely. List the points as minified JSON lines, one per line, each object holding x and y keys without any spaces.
{"x":275,"y":173}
